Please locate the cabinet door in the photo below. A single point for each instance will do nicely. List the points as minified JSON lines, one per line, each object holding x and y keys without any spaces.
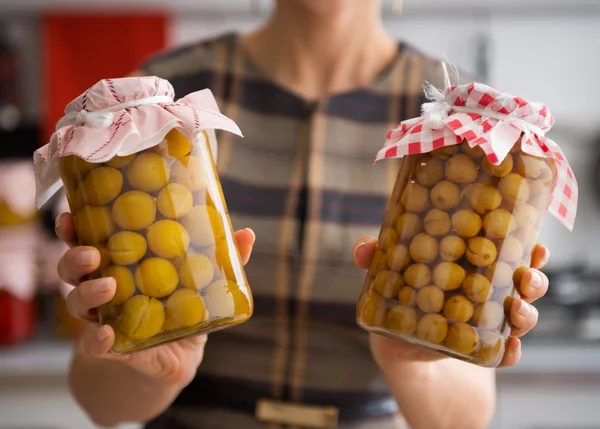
{"x":549,"y":59}
{"x":549,"y":402}
{"x":41,"y":404}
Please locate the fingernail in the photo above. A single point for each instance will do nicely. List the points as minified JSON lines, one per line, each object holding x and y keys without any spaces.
{"x":359,"y":245}
{"x":251,"y":232}
{"x":536,"y":280}
{"x":102,"y":333}
{"x":87,"y":257}
{"x":103,"y":285}
{"x":546,"y":256}
{"x":57,"y":222}
{"x":524,"y":309}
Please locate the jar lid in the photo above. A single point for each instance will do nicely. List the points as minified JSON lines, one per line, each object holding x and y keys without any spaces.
{"x":119,"y":117}
{"x":494,"y":121}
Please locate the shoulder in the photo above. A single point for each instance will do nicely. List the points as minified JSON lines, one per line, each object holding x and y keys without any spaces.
{"x":190,"y":59}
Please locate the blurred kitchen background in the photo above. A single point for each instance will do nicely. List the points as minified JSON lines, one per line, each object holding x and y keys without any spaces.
{"x":52,"y":50}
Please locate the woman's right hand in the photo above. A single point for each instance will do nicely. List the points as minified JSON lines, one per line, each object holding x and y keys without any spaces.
{"x":174,"y":362}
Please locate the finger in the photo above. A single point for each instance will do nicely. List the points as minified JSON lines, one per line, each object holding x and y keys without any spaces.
{"x":512,"y":352}
{"x":196,"y":340}
{"x":78,"y":262}
{"x":539,"y":256}
{"x":64,"y":229}
{"x":523,"y":317}
{"x":90,"y":295}
{"x":364,"y":249}
{"x":97,"y":340}
{"x":533,"y":285}
{"x":245,"y":239}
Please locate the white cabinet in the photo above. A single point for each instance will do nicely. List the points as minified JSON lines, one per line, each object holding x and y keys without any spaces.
{"x":41,"y":403}
{"x":555,"y":386}
{"x":550,"y":59}
{"x":547,"y":401}
{"x":34,"y":393}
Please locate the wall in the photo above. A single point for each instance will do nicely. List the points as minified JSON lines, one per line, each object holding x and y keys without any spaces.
{"x":544,"y":57}
{"x":532,"y":56}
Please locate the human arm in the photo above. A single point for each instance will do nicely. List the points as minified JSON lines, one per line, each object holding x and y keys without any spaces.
{"x":113,"y":392}
{"x":136,"y":387}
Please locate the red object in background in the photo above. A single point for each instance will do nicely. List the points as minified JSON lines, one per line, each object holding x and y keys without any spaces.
{"x":19,"y":247}
{"x":20,"y":236}
{"x":18,"y":319}
{"x":79,"y":49}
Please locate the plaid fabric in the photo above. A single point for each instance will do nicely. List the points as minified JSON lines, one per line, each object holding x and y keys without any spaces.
{"x":302,"y":178}
{"x":494,"y":121}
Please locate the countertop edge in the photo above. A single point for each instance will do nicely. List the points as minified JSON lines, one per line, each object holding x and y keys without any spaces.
{"x":52,"y":358}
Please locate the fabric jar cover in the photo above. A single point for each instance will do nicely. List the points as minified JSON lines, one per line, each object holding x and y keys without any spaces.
{"x":119,"y":117}
{"x":492,"y":120}
{"x":18,"y":191}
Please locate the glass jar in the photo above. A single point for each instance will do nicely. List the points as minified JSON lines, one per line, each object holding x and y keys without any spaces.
{"x":457,"y":231}
{"x":160,"y":222}
{"x":476,"y":178}
{"x":150,"y":201}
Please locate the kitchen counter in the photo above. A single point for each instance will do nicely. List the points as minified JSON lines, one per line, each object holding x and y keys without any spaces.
{"x":45,"y":357}
{"x":39,"y":358}
{"x":33,"y":376}
{"x":563,"y":377}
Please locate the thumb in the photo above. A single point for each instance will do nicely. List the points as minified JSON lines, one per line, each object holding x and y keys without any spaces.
{"x":363,"y":250}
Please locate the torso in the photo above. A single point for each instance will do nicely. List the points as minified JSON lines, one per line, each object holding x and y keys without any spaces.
{"x":302,"y":179}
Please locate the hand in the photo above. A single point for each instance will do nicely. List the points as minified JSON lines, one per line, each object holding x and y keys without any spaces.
{"x":523,"y":315}
{"x":173,"y":362}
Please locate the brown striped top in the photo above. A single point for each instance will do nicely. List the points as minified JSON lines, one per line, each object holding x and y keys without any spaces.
{"x":302,"y":179}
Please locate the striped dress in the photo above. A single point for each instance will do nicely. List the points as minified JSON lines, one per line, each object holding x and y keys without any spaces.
{"x":302,"y":178}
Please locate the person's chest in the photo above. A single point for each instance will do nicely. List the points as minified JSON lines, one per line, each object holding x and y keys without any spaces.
{"x":304,"y":181}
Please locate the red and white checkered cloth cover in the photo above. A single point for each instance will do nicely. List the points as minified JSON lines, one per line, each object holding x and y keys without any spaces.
{"x":493,"y":120}
{"x":121,"y":117}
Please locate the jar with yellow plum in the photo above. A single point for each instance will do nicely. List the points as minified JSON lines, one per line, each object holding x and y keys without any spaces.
{"x":477,"y":175}
{"x":140,"y":177}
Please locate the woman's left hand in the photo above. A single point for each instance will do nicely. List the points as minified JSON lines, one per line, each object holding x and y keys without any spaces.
{"x":523,"y":315}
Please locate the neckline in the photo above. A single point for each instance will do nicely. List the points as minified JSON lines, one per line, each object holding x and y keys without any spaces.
{"x":260,"y":72}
